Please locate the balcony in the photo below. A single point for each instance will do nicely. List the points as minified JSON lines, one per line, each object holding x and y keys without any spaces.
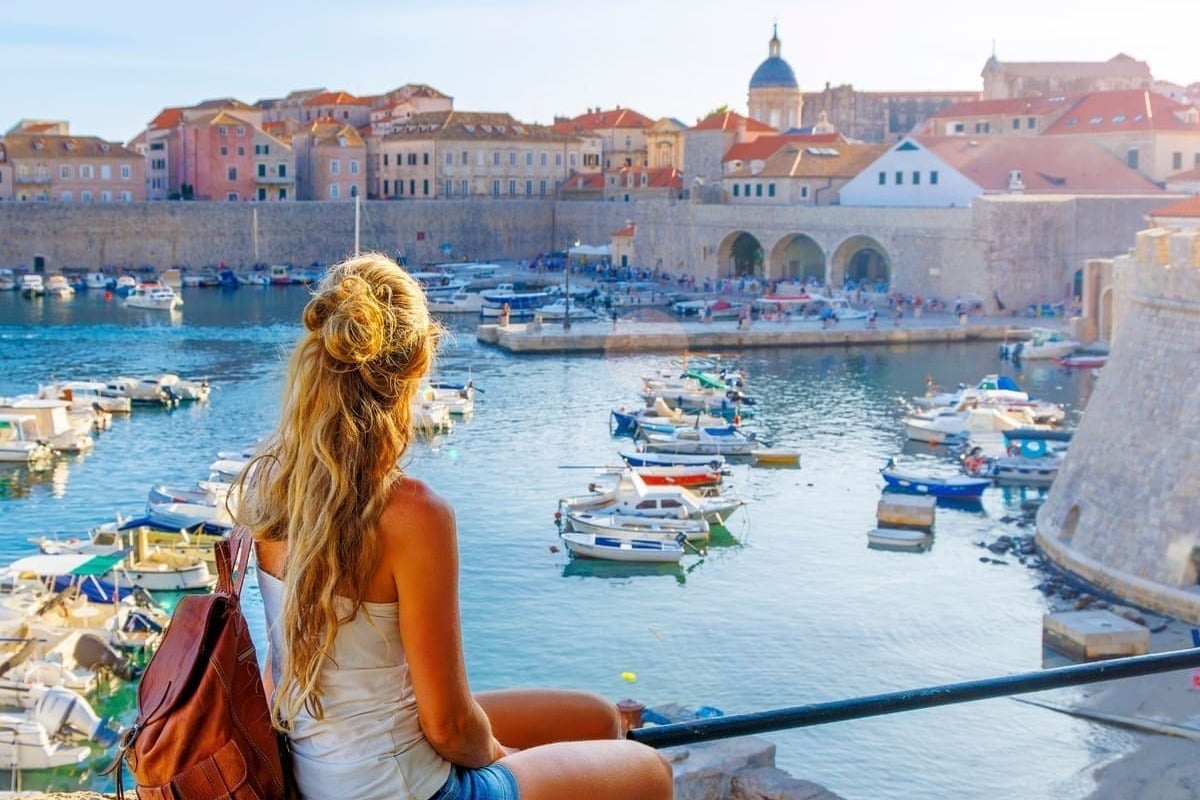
{"x":31,"y":179}
{"x":273,"y":180}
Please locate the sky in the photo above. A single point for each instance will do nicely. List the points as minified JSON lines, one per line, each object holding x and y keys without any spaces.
{"x":109,"y":69}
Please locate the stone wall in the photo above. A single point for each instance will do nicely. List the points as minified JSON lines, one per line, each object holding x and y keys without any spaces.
{"x":1122,"y":511}
{"x":1023,"y":249}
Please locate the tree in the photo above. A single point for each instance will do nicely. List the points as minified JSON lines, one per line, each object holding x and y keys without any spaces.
{"x":724,"y":108}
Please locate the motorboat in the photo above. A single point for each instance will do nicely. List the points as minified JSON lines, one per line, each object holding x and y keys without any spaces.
{"x":85,"y":394}
{"x":140,"y":391}
{"x":56,"y":425}
{"x":914,"y":480}
{"x":459,"y":398}
{"x":690,"y":475}
{"x":775,"y":457}
{"x":124,"y":285}
{"x":154,"y":567}
{"x":614,"y":548}
{"x":630,"y":526}
{"x":32,"y":285}
{"x":462,"y":302}
{"x":520,"y":304}
{"x":629,"y":494}
{"x":1083,"y":360}
{"x":946,"y":426}
{"x":727,"y":440}
{"x":560,"y":310}
{"x":659,"y":418}
{"x":53,"y":733}
{"x":197,"y":389}
{"x":1043,"y":343}
{"x":96,"y":281}
{"x":20,"y":442}
{"x":712,"y":308}
{"x":190,"y":515}
{"x":8,"y":280}
{"x":714,"y":462}
{"x":156,"y":296}
{"x":58,"y":286}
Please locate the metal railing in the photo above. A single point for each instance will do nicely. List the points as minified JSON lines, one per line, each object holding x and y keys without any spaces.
{"x":702,"y":730}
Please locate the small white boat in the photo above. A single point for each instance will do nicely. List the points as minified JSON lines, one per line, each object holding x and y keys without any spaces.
{"x":609,"y":548}
{"x":703,"y":441}
{"x":8,"y":280}
{"x":950,"y":425}
{"x":630,"y":526}
{"x":714,"y":462}
{"x":32,"y":285}
{"x":50,"y":735}
{"x":20,"y":442}
{"x":708,"y":309}
{"x":558,"y":310}
{"x":1044,"y":343}
{"x":85,"y":394}
{"x":64,"y":431}
{"x":58,"y":286}
{"x":899,"y":538}
{"x":632,"y":495}
{"x":96,"y":281}
{"x":197,"y":389}
{"x":142,"y":391}
{"x":189,"y":515}
{"x":462,"y":302}
{"x":459,"y":398}
{"x":155,"y":568}
{"x":775,"y":457}
{"x":155,"y":296}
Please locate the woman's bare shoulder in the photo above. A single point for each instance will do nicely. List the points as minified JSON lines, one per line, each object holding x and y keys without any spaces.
{"x":415,"y":508}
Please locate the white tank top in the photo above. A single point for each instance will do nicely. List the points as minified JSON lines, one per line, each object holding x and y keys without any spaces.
{"x":369,"y":745}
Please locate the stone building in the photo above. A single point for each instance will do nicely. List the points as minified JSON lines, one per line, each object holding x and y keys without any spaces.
{"x":793,"y":170}
{"x":1002,"y":79}
{"x":456,"y":154}
{"x":42,"y":162}
{"x":664,"y":144}
{"x":774,"y":98}
{"x":877,"y":116}
{"x":621,"y":132}
{"x":707,"y":142}
{"x":1108,"y":518}
{"x":331,"y":161}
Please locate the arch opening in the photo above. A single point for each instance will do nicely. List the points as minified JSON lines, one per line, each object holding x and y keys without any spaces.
{"x":863,"y":261}
{"x":798,"y":257}
{"x":740,"y":255}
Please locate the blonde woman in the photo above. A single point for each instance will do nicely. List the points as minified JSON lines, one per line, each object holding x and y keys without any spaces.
{"x":358,"y":567}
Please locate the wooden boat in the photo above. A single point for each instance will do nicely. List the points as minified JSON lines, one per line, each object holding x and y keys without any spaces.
{"x":629,"y":526}
{"x":154,"y":567}
{"x":630,"y":495}
{"x":775,"y":456}
{"x":1083,"y":360}
{"x":899,"y":538}
{"x":610,"y":548}
{"x":690,"y":475}
{"x":703,"y":441}
{"x":914,"y":481}
{"x":714,"y":462}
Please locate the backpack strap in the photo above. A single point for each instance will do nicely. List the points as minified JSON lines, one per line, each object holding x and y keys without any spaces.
{"x":233,"y":559}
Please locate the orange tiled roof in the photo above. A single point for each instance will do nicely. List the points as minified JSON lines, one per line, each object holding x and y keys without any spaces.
{"x":1184,"y":208}
{"x":335,"y":99}
{"x":616,"y":118}
{"x":765,"y":146}
{"x":1047,"y":164}
{"x":656,"y":177}
{"x":167,"y":118}
{"x":1122,"y":110}
{"x":584,"y":182}
{"x":797,"y":160}
{"x":628,"y":230}
{"x":1189,"y":175}
{"x":40,"y":146}
{"x":729,"y":121}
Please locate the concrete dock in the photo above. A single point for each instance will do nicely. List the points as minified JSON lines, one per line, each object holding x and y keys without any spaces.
{"x":672,"y":335}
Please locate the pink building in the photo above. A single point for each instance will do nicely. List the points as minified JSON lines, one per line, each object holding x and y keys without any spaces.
{"x":331,"y":161}
{"x":202,"y":152}
{"x":61,"y":168}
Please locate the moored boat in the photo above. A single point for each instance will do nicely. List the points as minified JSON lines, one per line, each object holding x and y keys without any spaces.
{"x":631,"y":526}
{"x":156,"y":296}
{"x":918,"y":481}
{"x":611,"y":548}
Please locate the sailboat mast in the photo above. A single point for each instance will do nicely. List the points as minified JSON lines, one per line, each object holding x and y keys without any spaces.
{"x":357,"y":217}
{"x":254,"y":231}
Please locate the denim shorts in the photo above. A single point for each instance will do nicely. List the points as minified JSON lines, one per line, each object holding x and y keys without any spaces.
{"x":493,"y":782}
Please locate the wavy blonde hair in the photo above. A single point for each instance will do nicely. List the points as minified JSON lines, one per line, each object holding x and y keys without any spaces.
{"x":324,"y":477}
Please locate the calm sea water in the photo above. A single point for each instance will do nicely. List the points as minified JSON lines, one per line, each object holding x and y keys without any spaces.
{"x":795,"y":609}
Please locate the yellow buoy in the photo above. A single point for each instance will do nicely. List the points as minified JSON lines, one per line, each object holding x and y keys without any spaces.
{"x":629,"y":677}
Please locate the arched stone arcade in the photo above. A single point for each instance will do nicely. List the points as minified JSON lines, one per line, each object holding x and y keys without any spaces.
{"x":797,"y":256}
{"x":740,"y":255}
{"x":861,"y":258}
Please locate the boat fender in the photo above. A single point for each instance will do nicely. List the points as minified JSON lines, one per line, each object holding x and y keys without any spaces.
{"x":1014,"y":450}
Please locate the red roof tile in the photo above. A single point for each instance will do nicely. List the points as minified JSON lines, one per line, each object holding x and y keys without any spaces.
{"x":765,"y":146}
{"x":335,"y":99}
{"x":167,"y":118}
{"x":1122,"y":110}
{"x":1047,"y":164}
{"x":1189,"y":175}
{"x":616,"y":118}
{"x":584,"y":182}
{"x":628,"y":230}
{"x":1184,"y":208}
{"x":729,"y":121}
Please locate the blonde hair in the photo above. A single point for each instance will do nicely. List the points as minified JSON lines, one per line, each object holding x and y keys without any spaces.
{"x":324,"y":477}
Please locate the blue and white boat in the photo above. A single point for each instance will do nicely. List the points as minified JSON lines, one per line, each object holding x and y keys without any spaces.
{"x":726,"y":440}
{"x":520,"y":304}
{"x":914,"y":480}
{"x":672,"y":459}
{"x":613,"y":548}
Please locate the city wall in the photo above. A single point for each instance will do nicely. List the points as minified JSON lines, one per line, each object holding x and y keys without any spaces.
{"x":1020,"y":249}
{"x":1122,"y":511}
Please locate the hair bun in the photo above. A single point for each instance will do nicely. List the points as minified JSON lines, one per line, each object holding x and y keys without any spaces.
{"x":349,"y":320}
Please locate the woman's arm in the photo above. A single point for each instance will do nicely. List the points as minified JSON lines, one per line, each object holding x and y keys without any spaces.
{"x":420,"y":549}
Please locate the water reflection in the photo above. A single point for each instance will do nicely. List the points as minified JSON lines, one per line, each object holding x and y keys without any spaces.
{"x":621,"y":571}
{"x":19,"y":480}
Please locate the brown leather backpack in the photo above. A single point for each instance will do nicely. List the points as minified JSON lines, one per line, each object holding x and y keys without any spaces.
{"x":203,"y":728}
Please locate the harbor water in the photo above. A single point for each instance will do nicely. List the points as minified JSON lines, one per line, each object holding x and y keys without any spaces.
{"x":791,"y":608}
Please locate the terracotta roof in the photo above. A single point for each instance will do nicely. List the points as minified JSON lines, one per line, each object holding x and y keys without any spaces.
{"x":1047,"y":164}
{"x":45,"y":146}
{"x":335,"y":99}
{"x":584,"y":182}
{"x":1119,"y":65}
{"x":795,"y":160}
{"x":167,"y":118}
{"x":1189,"y":175}
{"x":1184,"y":208}
{"x":224,"y":102}
{"x":628,"y":230}
{"x":328,"y":133}
{"x":656,"y":177}
{"x":1122,"y":110}
{"x":764,"y":146}
{"x":729,"y":121}
{"x":472,"y":125}
{"x":1010,"y":106}
{"x":616,"y":118}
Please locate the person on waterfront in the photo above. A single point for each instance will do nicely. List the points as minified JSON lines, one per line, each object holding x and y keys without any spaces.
{"x":358,"y":568}
{"x":871,"y":315}
{"x":505,"y":315}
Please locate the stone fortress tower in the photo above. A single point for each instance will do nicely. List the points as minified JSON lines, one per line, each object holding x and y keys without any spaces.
{"x":774,"y":97}
{"x":1122,"y":512}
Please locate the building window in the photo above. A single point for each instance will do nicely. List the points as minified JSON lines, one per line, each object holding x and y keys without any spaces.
{"x":558,"y":159}
{"x":803,"y":192}
{"x":529,"y":159}
{"x":282,"y":193}
{"x":771,"y":190}
{"x":512,"y":158}
{"x":464,"y":187}
{"x":746,"y":190}
{"x":425,"y":159}
{"x":354,"y":166}
{"x":495,"y":159}
{"x":916,"y":178}
{"x":1031,"y":123}
{"x":412,"y":186}
{"x":127,"y":197}
{"x":899,"y":177}
{"x":529,"y":188}
{"x":412,"y":159}
{"x":334,"y":191}
{"x":231,"y":173}
{"x":1131,"y":158}
{"x":262,"y":173}
{"x":126,"y":172}
{"x":450,"y":159}
{"x":400,"y":188}
{"x":543,"y":159}
{"x":262,"y":193}
{"x":512,"y":188}
{"x":65,"y":197}
{"x":85,"y":196}
{"x":354,"y":189}
{"x":425,"y":187}
{"x":758,"y":190}
{"x":465,"y":159}
{"x":386,"y":184}
{"x":385,"y":159}
{"x":572,"y":158}
{"x":241,"y":150}
{"x":496,"y":185}
{"x":241,"y":131}
{"x":221,"y":130}
{"x":933,"y":176}
{"x":335,"y":166}
{"x":231,"y":197}
{"x":1016,"y":123}
{"x":85,"y":171}
{"x":883,"y":179}
{"x":736,"y":188}
{"x":283,"y":170}
{"x":542,"y":188}
{"x":449,"y":190}
{"x":1177,"y":161}
{"x":64,"y":171}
